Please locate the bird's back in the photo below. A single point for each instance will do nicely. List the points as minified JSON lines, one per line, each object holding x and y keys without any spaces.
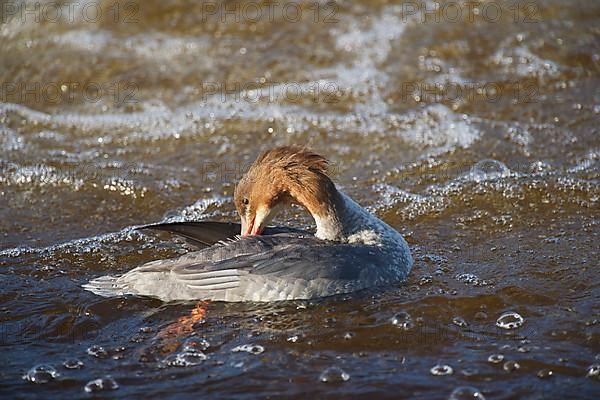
{"x":282,"y":266}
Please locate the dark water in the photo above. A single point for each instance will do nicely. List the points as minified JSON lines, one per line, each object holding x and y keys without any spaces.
{"x":475,"y":135}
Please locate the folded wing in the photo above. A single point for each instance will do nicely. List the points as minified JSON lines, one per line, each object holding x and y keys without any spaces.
{"x":261,"y":268}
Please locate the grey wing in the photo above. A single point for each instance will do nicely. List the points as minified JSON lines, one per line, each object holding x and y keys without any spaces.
{"x":259,"y":268}
{"x":291,"y":268}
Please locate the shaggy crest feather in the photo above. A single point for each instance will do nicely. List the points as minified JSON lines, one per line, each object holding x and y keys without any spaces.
{"x":294,"y":159}
{"x":287,"y":174}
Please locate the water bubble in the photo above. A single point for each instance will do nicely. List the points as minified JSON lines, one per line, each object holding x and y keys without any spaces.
{"x":488,"y":169}
{"x":97,"y":351}
{"x":471,"y":279}
{"x":459,"y":321}
{"x":73,"y":363}
{"x":118,"y":353}
{"x":510,"y":320}
{"x":593,"y":371}
{"x":42,"y":373}
{"x":185,"y":359}
{"x":511,"y":366}
{"x":441,"y":369}
{"x":466,"y":393}
{"x":101,"y":384}
{"x":137,"y":339}
{"x":540,"y":166}
{"x":403,"y":320}
{"x":545,"y":373}
{"x":334,"y":375}
{"x":249,"y":348}
{"x":195,"y":345}
{"x":496,"y":358}
{"x":524,"y":349}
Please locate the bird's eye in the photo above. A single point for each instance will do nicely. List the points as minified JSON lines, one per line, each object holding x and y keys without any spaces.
{"x":245,"y":201}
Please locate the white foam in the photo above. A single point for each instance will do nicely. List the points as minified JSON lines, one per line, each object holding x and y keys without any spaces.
{"x":26,"y":17}
{"x":198,"y":210}
{"x":151,"y":46}
{"x":194,"y":212}
{"x":437,"y":126}
{"x":368,"y":43}
{"x":521,"y":61}
{"x":494,"y":177}
{"x":39,"y":175}
{"x":10,"y":140}
{"x":589,"y":161}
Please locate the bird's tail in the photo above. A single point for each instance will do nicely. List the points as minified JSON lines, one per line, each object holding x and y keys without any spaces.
{"x":106,"y":286}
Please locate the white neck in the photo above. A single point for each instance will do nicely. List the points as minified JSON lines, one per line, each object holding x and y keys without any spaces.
{"x":328,"y":228}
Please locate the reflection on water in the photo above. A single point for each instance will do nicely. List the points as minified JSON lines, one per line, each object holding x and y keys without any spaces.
{"x":469,"y":127}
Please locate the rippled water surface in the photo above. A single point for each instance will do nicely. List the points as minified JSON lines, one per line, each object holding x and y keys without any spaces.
{"x":476,"y":136}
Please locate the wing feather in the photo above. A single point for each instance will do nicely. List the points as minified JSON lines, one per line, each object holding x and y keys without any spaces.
{"x":280,"y":266}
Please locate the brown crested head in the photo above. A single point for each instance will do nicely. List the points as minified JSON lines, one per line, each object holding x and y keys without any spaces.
{"x":278,"y":177}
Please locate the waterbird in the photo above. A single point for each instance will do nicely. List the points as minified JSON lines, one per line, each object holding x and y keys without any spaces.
{"x":351,"y":249}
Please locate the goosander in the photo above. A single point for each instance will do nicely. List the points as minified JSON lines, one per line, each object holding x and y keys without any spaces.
{"x":351,"y":249}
